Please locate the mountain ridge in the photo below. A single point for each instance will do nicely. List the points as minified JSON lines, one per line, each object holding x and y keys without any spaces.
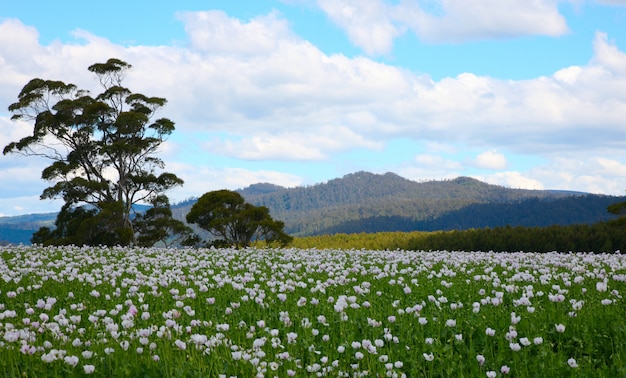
{"x":368,"y":202}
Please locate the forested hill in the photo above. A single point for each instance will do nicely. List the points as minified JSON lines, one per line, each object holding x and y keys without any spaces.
{"x":367,"y":202}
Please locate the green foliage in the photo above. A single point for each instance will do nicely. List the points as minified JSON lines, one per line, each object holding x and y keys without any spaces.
{"x":600,"y":237}
{"x":101,"y":150}
{"x":226,"y":215}
{"x":79,"y":226}
{"x":157,"y":225}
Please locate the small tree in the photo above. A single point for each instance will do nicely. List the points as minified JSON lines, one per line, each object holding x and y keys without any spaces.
{"x":102,"y":148}
{"x":157,"y":225}
{"x":226,"y":215}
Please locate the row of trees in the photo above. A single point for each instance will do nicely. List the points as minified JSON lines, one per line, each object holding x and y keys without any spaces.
{"x":605,"y":237}
{"x":103,"y":164}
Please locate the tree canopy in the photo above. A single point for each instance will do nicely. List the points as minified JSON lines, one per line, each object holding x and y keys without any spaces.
{"x":226,"y":215}
{"x":102,"y":149}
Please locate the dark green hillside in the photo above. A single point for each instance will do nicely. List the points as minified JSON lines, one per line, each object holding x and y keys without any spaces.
{"x":533,"y":212}
{"x":367,"y":202}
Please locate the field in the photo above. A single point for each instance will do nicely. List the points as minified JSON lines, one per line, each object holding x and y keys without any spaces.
{"x":304,"y":312}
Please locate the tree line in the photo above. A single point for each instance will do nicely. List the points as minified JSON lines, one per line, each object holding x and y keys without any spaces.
{"x":602,"y":237}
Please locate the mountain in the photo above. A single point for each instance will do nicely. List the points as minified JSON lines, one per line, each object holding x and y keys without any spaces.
{"x":19,"y":229}
{"x":368,"y":202}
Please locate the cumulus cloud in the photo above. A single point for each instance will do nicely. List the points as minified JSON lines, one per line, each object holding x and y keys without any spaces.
{"x":216,"y":33}
{"x":466,"y":20}
{"x":374,"y":24}
{"x":512,"y":179}
{"x":491,"y":159}
{"x":286,"y":100}
{"x":293,"y":146}
{"x":202,"y":179}
{"x":369,"y":23}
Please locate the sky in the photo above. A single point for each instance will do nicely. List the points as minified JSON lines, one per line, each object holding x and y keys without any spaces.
{"x":520,"y":93}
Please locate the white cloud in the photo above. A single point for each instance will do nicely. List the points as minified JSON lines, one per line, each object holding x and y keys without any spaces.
{"x":215,"y":33}
{"x":293,"y":146}
{"x":582,"y":172}
{"x":374,"y":24}
{"x":437,"y":162}
{"x":465,"y":20}
{"x":285,"y":95}
{"x":491,"y":159}
{"x":608,"y":56}
{"x":27,"y":205}
{"x":512,"y":179}
{"x":203,"y":179}
{"x":369,"y":23}
{"x":287,"y":100}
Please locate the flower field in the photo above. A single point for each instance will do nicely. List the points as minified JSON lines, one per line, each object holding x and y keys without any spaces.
{"x":69,"y":311}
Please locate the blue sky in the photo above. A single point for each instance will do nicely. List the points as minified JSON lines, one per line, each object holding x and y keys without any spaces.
{"x":525,"y":94}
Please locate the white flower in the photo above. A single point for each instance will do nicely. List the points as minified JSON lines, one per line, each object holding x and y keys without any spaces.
{"x":89,"y":369}
{"x":481,"y":359}
{"x":428,"y":357}
{"x":291,"y":337}
{"x":524,"y":341}
{"x":505,"y":369}
{"x":451,"y":323}
{"x":180,"y":344}
{"x":572,"y":363}
{"x":538,"y":340}
{"x":73,"y":360}
{"x":490,"y":332}
{"x":601,"y":287}
{"x":515,"y":347}
{"x":560,"y":328}
{"x":491,"y":374}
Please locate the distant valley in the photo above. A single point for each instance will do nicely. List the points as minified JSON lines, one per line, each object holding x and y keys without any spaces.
{"x":368,"y":202}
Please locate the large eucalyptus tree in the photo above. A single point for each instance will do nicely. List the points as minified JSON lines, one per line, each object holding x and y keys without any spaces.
{"x":102,"y":148}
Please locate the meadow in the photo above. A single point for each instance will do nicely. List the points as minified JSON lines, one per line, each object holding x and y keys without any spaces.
{"x":132,"y":312}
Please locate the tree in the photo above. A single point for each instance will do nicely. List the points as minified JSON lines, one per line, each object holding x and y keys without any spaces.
{"x":81,"y":226}
{"x":226,"y":215}
{"x":158,"y":225}
{"x":102,"y":148}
